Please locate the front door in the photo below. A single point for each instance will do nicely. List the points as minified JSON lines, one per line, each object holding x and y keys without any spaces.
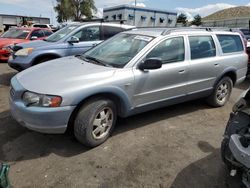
{"x":88,"y":38}
{"x":168,"y":82}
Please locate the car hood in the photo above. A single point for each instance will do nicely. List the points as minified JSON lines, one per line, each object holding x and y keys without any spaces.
{"x":9,"y":41}
{"x":63,"y":75}
{"x":36,"y":44}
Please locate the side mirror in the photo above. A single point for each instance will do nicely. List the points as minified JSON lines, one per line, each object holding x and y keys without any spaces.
{"x":73,"y":39}
{"x":151,"y":64}
{"x":34,"y":38}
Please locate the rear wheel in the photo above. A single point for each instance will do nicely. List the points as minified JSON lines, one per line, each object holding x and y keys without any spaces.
{"x":221,"y":93}
{"x":95,"y":122}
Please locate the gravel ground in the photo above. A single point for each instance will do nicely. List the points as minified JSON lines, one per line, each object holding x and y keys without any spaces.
{"x":176,"y":147}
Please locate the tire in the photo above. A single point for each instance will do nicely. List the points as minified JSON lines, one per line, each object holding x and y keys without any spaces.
{"x":224,"y":150}
{"x":95,"y":122}
{"x":221,"y":93}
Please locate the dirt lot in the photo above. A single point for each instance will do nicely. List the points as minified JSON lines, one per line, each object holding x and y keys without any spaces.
{"x":177,"y":147}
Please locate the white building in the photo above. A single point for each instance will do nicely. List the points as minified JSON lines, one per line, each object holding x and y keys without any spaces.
{"x":7,"y":21}
{"x":140,"y":16}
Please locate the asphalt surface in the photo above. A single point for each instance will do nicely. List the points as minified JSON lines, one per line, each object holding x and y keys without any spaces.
{"x":173,"y":147}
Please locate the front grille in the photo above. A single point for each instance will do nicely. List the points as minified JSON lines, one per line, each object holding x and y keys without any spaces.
{"x":12,"y":92}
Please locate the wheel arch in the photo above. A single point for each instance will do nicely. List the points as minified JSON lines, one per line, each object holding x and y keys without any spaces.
{"x":231,"y":73}
{"x":47,"y":55}
{"x":120,"y":99}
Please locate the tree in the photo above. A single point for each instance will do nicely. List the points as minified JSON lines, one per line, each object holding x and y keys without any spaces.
{"x":74,"y":9}
{"x":182,"y":18}
{"x":197,"y":20}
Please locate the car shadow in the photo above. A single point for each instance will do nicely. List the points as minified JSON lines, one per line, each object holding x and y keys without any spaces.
{"x":207,"y":172}
{"x":244,"y":85}
{"x":18,"y":143}
{"x":147,"y":118}
{"x":6,"y":77}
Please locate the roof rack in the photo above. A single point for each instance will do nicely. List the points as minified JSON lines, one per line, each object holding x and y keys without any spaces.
{"x":176,"y":29}
{"x":171,"y":30}
{"x":102,"y":20}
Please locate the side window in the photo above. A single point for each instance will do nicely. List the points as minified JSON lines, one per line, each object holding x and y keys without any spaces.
{"x":47,"y":33}
{"x":88,"y":34}
{"x":170,"y":50}
{"x":37,"y":33}
{"x":202,"y":47}
{"x":109,"y":31}
{"x":230,"y":43}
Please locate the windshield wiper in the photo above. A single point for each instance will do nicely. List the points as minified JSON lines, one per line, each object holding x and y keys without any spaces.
{"x":96,"y":60}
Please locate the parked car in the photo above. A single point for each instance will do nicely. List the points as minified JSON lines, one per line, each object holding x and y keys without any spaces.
{"x":235,"y":145}
{"x":48,"y":26}
{"x":245,"y":33}
{"x":20,"y":35}
{"x":133,"y":72}
{"x":71,"y":40}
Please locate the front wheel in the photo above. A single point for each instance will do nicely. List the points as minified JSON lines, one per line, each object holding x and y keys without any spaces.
{"x":95,"y":122}
{"x":221,"y":93}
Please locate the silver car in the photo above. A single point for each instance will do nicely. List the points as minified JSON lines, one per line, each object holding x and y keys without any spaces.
{"x":130,"y":73}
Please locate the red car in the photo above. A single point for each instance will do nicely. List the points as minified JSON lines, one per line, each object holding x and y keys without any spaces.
{"x":20,"y":35}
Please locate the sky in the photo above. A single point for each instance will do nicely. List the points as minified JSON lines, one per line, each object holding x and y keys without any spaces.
{"x":44,"y":8}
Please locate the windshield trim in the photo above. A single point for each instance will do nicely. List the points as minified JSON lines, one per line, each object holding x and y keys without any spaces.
{"x":64,"y":38}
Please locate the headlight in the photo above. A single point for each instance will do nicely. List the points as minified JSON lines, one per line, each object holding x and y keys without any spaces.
{"x":34,"y":99}
{"x":24,"y":52}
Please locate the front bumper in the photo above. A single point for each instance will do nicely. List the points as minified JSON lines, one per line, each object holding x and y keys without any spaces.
{"x":19,"y":62}
{"x":41,"y":119}
{"x":4,"y":55}
{"x":240,"y":153}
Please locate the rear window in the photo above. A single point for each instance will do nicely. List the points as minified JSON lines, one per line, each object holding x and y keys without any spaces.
{"x":230,"y":43}
{"x":202,"y":47}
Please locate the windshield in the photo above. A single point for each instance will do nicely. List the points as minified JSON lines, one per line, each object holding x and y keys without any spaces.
{"x":246,"y":33}
{"x":119,"y":50}
{"x":61,"y":33}
{"x":16,"y":34}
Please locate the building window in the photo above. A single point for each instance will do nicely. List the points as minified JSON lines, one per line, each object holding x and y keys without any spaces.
{"x":106,"y":17}
{"x":114,"y":17}
{"x":131,"y":16}
{"x":170,"y":21}
{"x":119,"y":16}
{"x":143,"y":18}
{"x":153,"y":18}
{"x":162,"y":20}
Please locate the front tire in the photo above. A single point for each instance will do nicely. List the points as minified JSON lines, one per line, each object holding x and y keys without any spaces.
{"x":95,"y":122}
{"x":221,"y":93}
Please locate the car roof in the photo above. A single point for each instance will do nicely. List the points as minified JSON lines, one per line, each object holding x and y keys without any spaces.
{"x":30,"y":28}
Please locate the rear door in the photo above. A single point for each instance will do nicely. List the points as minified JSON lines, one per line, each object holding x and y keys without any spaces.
{"x":88,"y":36}
{"x":204,"y":63}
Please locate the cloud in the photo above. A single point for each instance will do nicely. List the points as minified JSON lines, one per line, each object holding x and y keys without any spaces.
{"x":204,"y":11}
{"x":109,"y":3}
{"x":139,"y":4}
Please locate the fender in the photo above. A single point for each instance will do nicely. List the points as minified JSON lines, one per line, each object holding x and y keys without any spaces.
{"x":226,"y":71}
{"x":109,"y":90}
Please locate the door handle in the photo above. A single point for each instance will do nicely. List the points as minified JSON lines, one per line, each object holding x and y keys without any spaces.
{"x":94,"y":45}
{"x":181,"y":71}
{"x":216,"y":64}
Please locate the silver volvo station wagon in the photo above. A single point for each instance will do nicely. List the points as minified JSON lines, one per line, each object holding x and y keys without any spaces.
{"x":132,"y":72}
